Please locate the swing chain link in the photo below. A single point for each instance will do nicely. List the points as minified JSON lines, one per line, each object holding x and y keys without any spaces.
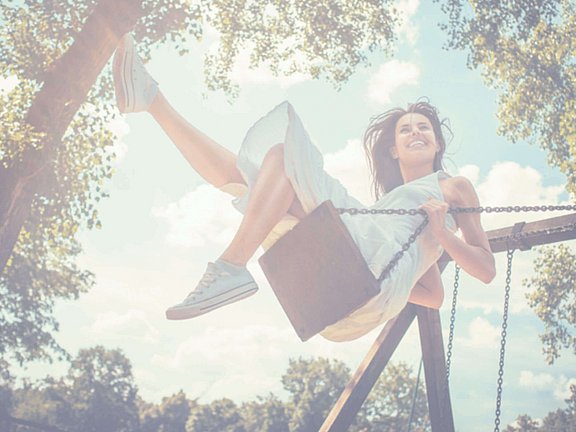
{"x":364,"y":211}
{"x":456,"y":210}
{"x":398,"y":255}
{"x":452,"y":319}
{"x":453,"y":210}
{"x":510,"y":254}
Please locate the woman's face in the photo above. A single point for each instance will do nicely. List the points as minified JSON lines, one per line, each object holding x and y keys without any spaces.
{"x":415,"y":140}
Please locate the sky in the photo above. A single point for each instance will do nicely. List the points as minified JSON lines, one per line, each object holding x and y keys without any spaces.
{"x":163,"y":223}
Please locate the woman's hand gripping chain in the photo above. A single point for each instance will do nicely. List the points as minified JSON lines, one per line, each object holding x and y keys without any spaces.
{"x":436,"y":211}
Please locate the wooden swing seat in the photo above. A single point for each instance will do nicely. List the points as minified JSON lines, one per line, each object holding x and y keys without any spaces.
{"x":317,"y":272}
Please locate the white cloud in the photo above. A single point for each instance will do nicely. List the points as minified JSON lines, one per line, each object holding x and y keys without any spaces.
{"x":559,"y":386}
{"x":144,"y":282}
{"x":471,"y":172}
{"x":530,"y":380}
{"x":349,"y":166}
{"x":407,"y":27}
{"x":252,"y":356}
{"x":132,"y":324}
{"x":233,"y":348}
{"x":562,"y":387}
{"x":481,"y":334}
{"x":7,"y":84}
{"x":509,"y":184}
{"x":246,"y":360}
{"x":475,"y":295}
{"x":200,"y":217}
{"x":234,"y":386}
{"x":389,"y":77}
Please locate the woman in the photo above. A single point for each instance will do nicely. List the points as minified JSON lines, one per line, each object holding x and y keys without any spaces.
{"x":283,"y":174}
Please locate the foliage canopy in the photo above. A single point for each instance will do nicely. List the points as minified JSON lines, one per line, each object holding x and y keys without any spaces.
{"x":325,"y":39}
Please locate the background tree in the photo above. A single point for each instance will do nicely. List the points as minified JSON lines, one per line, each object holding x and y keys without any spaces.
{"x":266,"y":414}
{"x":5,"y":405}
{"x":170,"y":415}
{"x":221,"y":415}
{"x":56,"y":178}
{"x":42,"y":403}
{"x":314,"y":386}
{"x":525,"y":50}
{"x":561,"y":420}
{"x":101,"y":387}
{"x":553,"y":298}
{"x":97,"y":394}
{"x":389,"y":404}
{"x":523,"y":423}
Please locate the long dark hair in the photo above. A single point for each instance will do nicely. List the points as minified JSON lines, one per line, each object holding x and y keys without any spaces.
{"x":380,"y":137}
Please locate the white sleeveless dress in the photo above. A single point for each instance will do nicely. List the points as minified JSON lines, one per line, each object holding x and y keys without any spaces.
{"x":378,"y":237}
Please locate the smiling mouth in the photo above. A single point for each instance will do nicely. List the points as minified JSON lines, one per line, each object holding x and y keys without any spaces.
{"x":416,"y":144}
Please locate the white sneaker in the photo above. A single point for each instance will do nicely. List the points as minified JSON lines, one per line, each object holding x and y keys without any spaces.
{"x":135,"y":88}
{"x":220,"y":285}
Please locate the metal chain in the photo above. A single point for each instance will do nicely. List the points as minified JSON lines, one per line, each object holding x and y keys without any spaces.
{"x":452,"y":319}
{"x":500,"y":381}
{"x":365,"y":211}
{"x":511,"y":209}
{"x":398,"y":255}
{"x":454,"y":210}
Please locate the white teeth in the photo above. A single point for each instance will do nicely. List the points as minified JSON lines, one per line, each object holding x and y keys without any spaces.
{"x":415,"y":143}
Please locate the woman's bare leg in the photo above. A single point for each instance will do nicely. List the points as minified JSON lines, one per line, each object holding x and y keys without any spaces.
{"x":429,"y":290}
{"x":271,"y":198}
{"x":215,"y":163}
{"x":227,"y":280}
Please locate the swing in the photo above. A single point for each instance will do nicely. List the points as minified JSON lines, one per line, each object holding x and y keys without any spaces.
{"x":319,"y":275}
{"x":317,"y":272}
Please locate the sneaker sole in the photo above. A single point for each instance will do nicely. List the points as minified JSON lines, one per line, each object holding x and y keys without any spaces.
{"x":194,"y":311}
{"x":122,"y":72}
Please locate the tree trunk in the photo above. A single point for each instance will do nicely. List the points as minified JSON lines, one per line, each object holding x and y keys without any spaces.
{"x":64,"y":90}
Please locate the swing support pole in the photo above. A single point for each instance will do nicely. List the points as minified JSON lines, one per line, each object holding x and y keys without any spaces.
{"x":344,"y":411}
{"x":357,"y":390}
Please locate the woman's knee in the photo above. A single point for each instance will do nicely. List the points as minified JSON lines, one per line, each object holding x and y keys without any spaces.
{"x":276,"y":153}
{"x":422,"y":296}
{"x":438,"y":299}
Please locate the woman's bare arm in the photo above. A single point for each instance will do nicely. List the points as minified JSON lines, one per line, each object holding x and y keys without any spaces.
{"x":472,"y":253}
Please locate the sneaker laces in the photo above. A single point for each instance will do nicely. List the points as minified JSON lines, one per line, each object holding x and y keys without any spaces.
{"x":212,"y":273}
{"x":139,"y":64}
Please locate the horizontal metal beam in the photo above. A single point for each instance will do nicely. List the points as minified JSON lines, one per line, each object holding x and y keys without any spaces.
{"x":524,"y":236}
